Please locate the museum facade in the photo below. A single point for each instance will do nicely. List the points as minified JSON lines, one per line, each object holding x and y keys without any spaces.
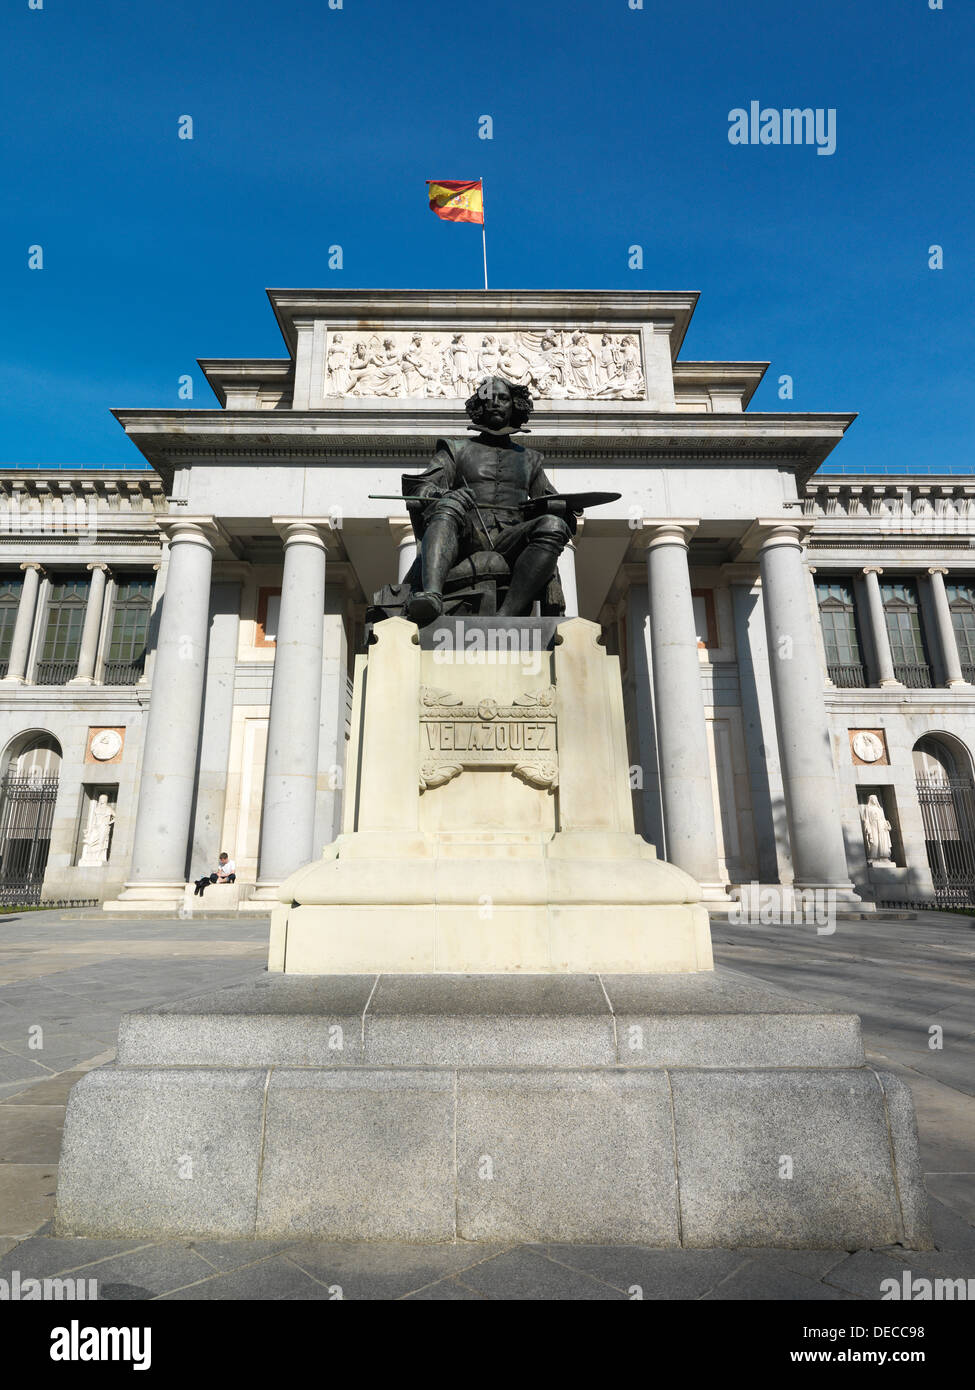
{"x":178,"y":637}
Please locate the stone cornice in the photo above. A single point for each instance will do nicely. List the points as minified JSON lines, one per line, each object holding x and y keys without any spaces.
{"x":477,"y":309}
{"x":171,"y":438}
{"x":744,"y":375}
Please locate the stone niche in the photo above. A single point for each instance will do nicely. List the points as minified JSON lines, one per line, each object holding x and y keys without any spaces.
{"x":489,"y":821}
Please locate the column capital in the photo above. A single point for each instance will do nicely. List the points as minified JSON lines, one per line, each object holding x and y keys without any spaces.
{"x":780,"y":533}
{"x":872,"y":569}
{"x":938,"y":569}
{"x":97,"y":565}
{"x":765,"y":533}
{"x":32,"y":565}
{"x":651,"y":532}
{"x":194,"y":530}
{"x":300,"y":530}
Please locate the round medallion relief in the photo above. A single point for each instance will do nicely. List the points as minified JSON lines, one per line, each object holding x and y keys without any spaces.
{"x":868,"y":747}
{"x":106,"y":744}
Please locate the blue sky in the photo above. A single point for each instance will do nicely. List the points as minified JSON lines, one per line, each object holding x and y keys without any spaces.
{"x":315,"y":127}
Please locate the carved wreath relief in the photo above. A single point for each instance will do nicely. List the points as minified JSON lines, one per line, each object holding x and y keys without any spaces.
{"x":556,"y":364}
{"x":519,"y":736}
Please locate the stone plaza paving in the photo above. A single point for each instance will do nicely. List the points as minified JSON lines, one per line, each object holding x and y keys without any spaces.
{"x":72,"y":974}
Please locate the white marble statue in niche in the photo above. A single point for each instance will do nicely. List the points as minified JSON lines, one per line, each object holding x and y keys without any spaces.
{"x":98,"y":834}
{"x":876,"y":831}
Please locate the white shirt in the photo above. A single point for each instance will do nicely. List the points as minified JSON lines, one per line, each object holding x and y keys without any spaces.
{"x":226,"y":867}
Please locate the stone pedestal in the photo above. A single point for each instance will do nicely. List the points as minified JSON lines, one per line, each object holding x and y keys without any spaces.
{"x":663,"y":1110}
{"x":489,"y":823}
{"x":491,"y":1012}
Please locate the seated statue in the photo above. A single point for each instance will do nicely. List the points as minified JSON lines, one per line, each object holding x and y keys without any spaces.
{"x":487,"y":520}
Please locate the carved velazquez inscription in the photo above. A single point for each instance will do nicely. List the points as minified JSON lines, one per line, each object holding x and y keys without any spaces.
{"x":519,"y":737}
{"x":503,"y":737}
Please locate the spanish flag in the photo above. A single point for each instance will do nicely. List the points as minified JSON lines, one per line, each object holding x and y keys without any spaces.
{"x":457,"y":200}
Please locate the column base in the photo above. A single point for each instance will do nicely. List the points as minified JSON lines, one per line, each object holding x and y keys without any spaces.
{"x":138,"y":899}
{"x":81,"y":680}
{"x":953,"y":684}
{"x":13,"y":680}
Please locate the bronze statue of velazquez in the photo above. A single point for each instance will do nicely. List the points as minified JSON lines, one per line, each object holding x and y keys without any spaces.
{"x":490,"y":525}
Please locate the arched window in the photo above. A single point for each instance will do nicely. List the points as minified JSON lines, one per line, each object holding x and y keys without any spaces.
{"x":28,"y":792}
{"x":946,"y":795}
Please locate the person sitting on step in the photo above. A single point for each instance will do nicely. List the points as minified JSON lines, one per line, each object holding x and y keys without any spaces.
{"x":226,"y":872}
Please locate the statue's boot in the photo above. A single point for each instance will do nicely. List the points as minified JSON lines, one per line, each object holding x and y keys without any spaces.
{"x":438,"y":551}
{"x":533,"y":569}
{"x":424,"y":607}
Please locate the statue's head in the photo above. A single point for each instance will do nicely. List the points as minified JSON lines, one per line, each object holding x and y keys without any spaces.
{"x":500,"y":407}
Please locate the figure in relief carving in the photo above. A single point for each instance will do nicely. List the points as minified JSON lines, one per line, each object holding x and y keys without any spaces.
{"x":632,"y":371}
{"x":876,"y":830}
{"x":415,"y":367}
{"x":582,"y":366}
{"x":339,"y":376}
{"x":610,"y":363}
{"x":487,"y":358}
{"x":513,"y":363}
{"x":461,"y":363}
{"x":98,"y":834}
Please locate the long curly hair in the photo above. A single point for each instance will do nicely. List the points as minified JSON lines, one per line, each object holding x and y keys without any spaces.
{"x":522,"y":404}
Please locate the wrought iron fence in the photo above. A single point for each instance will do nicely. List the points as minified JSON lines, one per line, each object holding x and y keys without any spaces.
{"x":55,"y":672}
{"x":848,"y":675}
{"x":948,"y":815}
{"x":26,"y":816}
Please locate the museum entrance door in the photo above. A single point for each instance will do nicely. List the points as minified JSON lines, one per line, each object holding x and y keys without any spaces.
{"x":946,"y":794}
{"x":28,"y":794}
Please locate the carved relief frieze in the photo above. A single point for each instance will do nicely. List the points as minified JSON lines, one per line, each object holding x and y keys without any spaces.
{"x":555,"y":364}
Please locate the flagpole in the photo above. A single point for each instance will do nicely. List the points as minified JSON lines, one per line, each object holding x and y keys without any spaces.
{"x":483,"y":233}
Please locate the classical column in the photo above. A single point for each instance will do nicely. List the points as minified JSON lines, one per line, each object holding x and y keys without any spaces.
{"x":291,"y":766}
{"x":805,"y":752}
{"x":168,"y":773}
{"x":403,"y":535}
{"x":24,"y":626}
{"x":682,"y":745}
{"x":946,"y":628}
{"x":92,"y":626}
{"x":567,"y":576}
{"x":878,"y":627}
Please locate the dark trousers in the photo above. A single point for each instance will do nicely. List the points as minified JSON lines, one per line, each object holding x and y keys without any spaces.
{"x":202,"y":883}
